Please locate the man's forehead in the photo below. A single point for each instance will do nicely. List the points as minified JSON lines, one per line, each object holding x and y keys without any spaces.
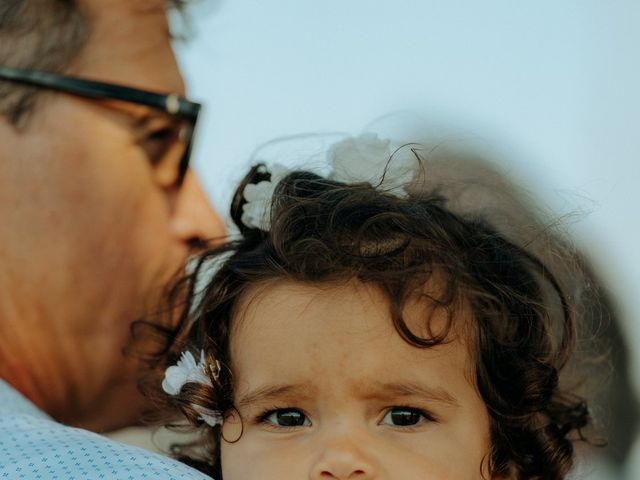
{"x":129,"y":43}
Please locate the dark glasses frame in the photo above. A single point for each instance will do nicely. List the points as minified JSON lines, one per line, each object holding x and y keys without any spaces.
{"x":171,"y":104}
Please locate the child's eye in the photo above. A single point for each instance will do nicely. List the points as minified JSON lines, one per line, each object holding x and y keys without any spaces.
{"x":405,"y":417}
{"x":286,"y":417}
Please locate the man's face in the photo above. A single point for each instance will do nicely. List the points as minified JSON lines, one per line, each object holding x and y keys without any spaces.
{"x":92,"y":236}
{"x":327,"y":389}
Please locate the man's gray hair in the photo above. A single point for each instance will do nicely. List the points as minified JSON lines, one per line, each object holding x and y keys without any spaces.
{"x":40,"y":35}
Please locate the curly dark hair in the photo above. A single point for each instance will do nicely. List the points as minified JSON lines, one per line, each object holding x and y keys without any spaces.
{"x":524,"y":321}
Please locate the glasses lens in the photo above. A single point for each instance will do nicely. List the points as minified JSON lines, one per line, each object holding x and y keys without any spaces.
{"x":186,"y":136}
{"x":168,"y":152}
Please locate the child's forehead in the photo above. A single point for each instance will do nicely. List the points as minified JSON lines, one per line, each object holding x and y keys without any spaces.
{"x":350,"y":303}
{"x":302,"y":329}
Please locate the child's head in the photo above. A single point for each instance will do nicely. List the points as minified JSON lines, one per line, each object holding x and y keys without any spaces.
{"x":326,"y":388}
{"x":370,"y":336}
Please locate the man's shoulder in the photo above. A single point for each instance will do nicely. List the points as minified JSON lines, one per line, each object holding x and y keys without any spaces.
{"x":34,"y":446}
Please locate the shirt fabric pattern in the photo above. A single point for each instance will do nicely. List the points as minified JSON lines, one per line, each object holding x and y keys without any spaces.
{"x":33,"y":447}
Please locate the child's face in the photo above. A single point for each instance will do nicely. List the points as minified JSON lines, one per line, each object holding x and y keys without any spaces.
{"x":327,"y":389}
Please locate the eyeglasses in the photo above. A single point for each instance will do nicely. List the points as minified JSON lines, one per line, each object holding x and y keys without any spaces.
{"x":184,"y":112}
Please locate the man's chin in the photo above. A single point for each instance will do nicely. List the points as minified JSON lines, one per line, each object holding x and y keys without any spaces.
{"x":118,"y":407}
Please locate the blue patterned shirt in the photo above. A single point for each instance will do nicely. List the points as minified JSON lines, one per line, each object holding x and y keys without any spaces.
{"x":33,"y":446}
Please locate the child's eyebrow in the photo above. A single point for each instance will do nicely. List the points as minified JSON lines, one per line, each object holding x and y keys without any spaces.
{"x":409,"y":389}
{"x":373,"y":390}
{"x":272,"y":392}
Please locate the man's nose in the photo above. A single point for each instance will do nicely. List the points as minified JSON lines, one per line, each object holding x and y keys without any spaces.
{"x":194,"y":219}
{"x":342,"y":457}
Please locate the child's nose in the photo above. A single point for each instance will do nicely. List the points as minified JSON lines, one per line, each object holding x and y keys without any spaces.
{"x":342,"y":457}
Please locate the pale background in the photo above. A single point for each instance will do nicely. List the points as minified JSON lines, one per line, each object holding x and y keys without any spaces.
{"x":554,"y":86}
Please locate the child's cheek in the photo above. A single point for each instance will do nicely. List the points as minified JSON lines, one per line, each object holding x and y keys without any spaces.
{"x":253,"y":458}
{"x":441,"y":452}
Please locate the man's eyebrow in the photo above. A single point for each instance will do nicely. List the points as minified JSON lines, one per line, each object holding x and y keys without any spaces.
{"x":272,"y":392}
{"x":410,"y":389}
{"x":146,"y":117}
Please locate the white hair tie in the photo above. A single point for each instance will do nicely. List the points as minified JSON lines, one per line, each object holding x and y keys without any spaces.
{"x":188,"y":370}
{"x":366,"y":158}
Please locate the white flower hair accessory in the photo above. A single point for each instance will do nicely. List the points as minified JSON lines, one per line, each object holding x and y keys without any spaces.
{"x":188,"y":370}
{"x":366,"y":158}
{"x":256,"y":213}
